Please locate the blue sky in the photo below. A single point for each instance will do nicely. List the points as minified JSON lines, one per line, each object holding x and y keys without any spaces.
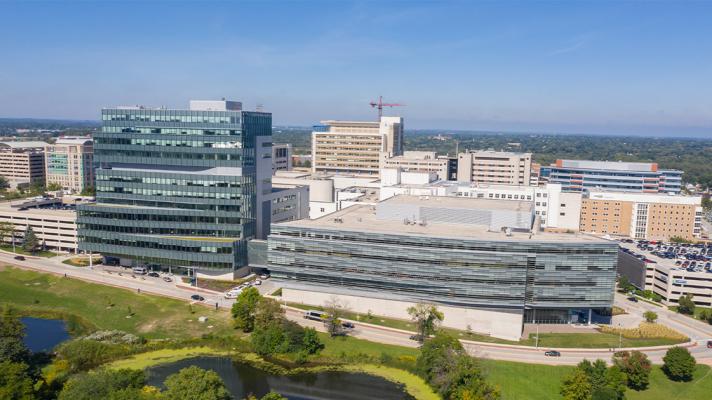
{"x":581,"y":67}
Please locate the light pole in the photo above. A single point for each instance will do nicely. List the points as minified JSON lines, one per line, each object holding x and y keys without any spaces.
{"x":537,"y":336}
{"x":620,"y":337}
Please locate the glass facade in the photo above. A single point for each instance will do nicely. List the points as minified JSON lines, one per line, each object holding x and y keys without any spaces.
{"x":174,"y":188}
{"x":527,"y":275}
{"x":580,"y":179}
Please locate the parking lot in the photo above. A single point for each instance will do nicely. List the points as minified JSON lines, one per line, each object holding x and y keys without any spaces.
{"x":690,"y":257}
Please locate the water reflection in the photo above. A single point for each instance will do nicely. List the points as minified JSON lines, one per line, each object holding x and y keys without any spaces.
{"x":44,"y":334}
{"x":242,"y":380}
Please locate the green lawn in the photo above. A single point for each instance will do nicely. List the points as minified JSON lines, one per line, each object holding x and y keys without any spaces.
{"x":349,"y":346}
{"x":519,"y":381}
{"x":555,"y":340}
{"x":81,"y":261}
{"x":698,"y":311}
{"x":20,"y":250}
{"x":153,"y":316}
{"x":593,"y":341}
{"x":406,"y":325}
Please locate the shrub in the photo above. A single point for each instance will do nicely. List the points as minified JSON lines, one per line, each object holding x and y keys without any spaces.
{"x":685,"y":305}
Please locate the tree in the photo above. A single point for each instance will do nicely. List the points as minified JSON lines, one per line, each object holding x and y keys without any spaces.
{"x":88,"y":191}
{"x":617,"y":380}
{"x":685,"y":305}
{"x":243,"y":311}
{"x":446,"y":366}
{"x":334,"y":311}
{"x":650,"y":316}
{"x":604,"y":393}
{"x":12,"y":331}
{"x":312,"y":344}
{"x":15,"y":381}
{"x":576,"y":386}
{"x":104,"y":384}
{"x":678,"y":364}
{"x":54,"y":187}
{"x":4,"y":183}
{"x":624,"y":284}
{"x":636,"y":366}
{"x":30,"y":240}
{"x":267,"y":312}
{"x":426,"y":318}
{"x":194,"y":383}
{"x":595,"y":372}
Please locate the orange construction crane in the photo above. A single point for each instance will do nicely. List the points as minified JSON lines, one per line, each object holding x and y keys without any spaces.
{"x":381,"y":104}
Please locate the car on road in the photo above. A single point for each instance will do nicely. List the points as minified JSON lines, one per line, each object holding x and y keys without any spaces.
{"x":257,"y":282}
{"x":139,"y":270}
{"x":315,"y":315}
{"x":20,"y":258}
{"x":709,"y":344}
{"x":633,"y":299}
{"x":552,"y":353}
{"x":167,"y":279}
{"x":417,"y":337}
{"x":153,"y":274}
{"x":197,"y":297}
{"x":348,"y":325}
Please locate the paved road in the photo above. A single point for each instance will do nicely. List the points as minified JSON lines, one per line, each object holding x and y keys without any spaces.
{"x":695,"y":330}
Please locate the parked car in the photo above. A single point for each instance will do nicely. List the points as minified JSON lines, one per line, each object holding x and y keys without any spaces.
{"x":257,"y":282}
{"x":552,"y":353}
{"x":709,"y":344}
{"x":139,"y":270}
{"x":153,"y":274}
{"x":20,"y":258}
{"x":197,"y":297}
{"x":167,"y":279}
{"x":264,"y":276}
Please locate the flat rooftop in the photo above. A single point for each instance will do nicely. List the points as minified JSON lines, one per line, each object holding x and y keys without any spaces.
{"x":461,"y":202}
{"x":362,"y":218}
{"x":44,"y":212}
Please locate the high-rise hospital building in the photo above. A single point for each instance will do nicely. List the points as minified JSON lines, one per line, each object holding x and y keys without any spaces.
{"x":355,"y":148}
{"x":179,"y":188}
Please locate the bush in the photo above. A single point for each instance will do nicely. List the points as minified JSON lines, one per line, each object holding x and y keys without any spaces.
{"x":685,"y":305}
{"x":104,"y":384}
{"x":679,"y":364}
{"x":650,"y":316}
{"x":82,"y":354}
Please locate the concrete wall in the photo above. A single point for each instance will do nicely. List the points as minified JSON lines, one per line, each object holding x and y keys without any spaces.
{"x":503,"y":324}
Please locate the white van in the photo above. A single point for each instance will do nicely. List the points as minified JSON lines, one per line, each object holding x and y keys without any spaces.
{"x":139,"y":270}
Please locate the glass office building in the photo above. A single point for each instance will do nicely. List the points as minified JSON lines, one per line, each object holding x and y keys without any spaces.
{"x":581,"y":175}
{"x":176,"y":188}
{"x":446,"y":260}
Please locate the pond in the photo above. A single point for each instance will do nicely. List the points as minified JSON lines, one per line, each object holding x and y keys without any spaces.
{"x":44,"y":334}
{"x":242,"y":380}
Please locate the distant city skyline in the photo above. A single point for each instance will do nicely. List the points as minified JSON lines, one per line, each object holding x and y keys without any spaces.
{"x":585,"y":67}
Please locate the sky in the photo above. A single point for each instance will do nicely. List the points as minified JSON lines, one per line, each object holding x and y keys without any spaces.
{"x":630,"y":68}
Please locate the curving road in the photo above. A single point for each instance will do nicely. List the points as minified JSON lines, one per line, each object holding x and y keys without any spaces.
{"x":697,"y":331}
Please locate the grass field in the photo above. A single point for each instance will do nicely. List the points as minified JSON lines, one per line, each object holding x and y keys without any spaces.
{"x":520,"y":381}
{"x":164,"y":356}
{"x":555,"y":340}
{"x":20,"y":250}
{"x":107,"y":307}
